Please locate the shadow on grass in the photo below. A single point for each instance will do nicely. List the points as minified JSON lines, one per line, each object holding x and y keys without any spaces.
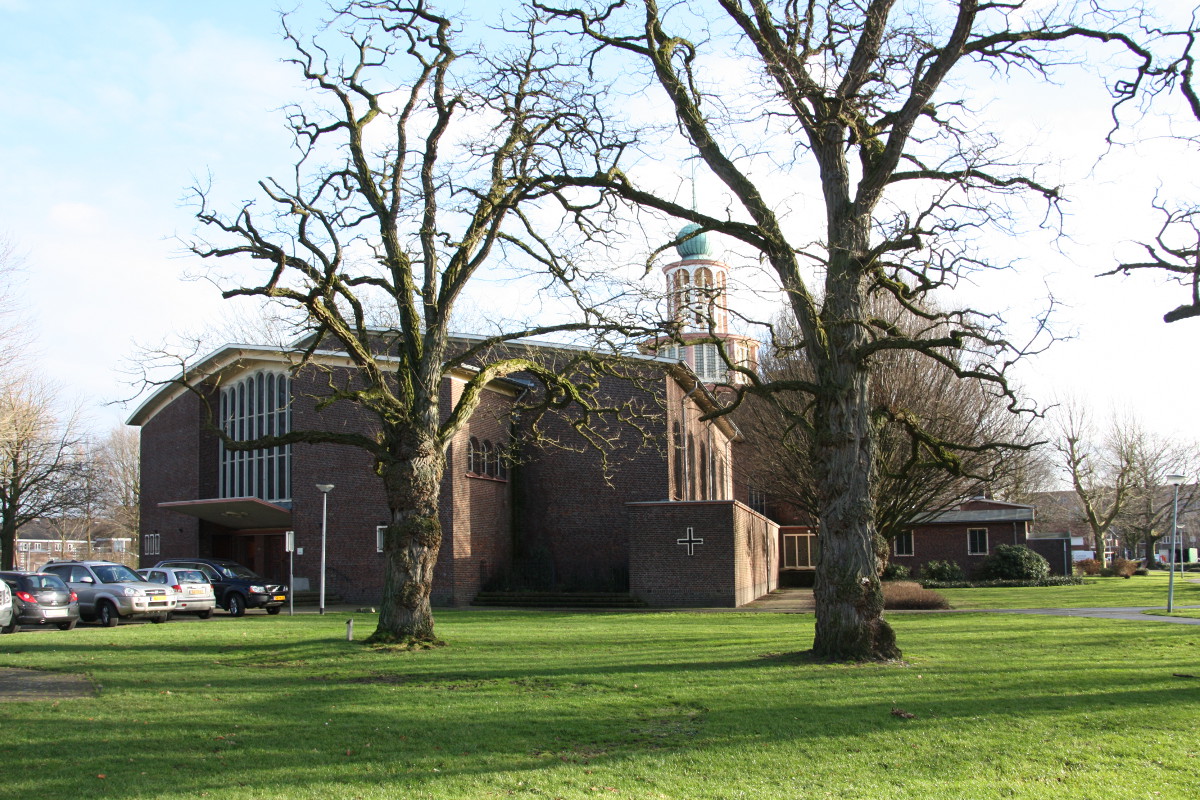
{"x":276,"y":710}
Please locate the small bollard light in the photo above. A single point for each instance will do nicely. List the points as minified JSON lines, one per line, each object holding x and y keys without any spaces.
{"x":349,"y":630}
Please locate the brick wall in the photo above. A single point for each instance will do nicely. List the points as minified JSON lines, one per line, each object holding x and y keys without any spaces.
{"x":736,"y":563}
{"x":570,"y":522}
{"x":171,"y":459}
{"x":948,"y":542}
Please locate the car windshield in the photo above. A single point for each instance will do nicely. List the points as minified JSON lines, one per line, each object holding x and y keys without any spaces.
{"x":238,"y":571}
{"x":116,"y":573}
{"x":190,"y":576}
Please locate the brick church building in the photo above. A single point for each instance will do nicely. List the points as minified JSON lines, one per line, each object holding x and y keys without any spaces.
{"x":672,"y":525}
{"x":664,"y":526}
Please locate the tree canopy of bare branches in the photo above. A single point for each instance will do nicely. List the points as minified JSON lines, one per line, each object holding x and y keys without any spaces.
{"x":940,"y":439}
{"x":1175,"y":249}
{"x":868,"y":95}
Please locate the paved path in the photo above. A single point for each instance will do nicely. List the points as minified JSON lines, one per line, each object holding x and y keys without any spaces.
{"x":28,"y":685}
{"x":1132,"y":613}
{"x":798,"y":601}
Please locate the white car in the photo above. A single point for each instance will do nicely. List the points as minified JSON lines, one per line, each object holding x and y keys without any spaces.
{"x":8,"y":614}
{"x":193,"y":593}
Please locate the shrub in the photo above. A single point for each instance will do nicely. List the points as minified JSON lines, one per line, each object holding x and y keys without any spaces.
{"x":1014,"y":562}
{"x":907,"y":595}
{"x":1108,"y":572}
{"x":1088,"y":566}
{"x":943,"y":571}
{"x":895,"y":572}
{"x":1141,"y":571}
{"x":1124,"y":567}
{"x":1052,"y":580}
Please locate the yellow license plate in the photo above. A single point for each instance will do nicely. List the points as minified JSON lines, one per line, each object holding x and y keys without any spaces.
{"x":280,"y":597}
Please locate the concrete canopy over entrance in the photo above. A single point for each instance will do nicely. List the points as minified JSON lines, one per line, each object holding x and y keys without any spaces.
{"x":239,"y":513}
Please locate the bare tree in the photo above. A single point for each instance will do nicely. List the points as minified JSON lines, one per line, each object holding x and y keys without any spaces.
{"x":918,"y":406}
{"x":1100,"y":466}
{"x":404,"y":193}
{"x":38,"y":459}
{"x":861,"y":93}
{"x":118,"y":457}
{"x":1146,"y":515}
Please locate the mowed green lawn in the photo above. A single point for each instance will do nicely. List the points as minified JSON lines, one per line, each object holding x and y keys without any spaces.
{"x":643,"y":705}
{"x":1140,"y":590}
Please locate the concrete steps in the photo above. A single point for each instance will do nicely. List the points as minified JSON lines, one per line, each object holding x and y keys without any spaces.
{"x":604,"y":600}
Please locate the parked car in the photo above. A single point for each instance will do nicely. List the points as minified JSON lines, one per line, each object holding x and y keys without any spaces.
{"x":237,"y":587}
{"x":194,"y":594}
{"x":41,"y":598}
{"x":8,"y":619}
{"x":109,"y":592}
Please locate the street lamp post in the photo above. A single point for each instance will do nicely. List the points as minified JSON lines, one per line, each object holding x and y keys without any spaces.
{"x":1173,"y":480}
{"x":325,"y":489}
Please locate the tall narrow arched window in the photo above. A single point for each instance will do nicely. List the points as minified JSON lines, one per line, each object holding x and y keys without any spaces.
{"x":473,"y":454}
{"x":487,"y":464}
{"x":703,"y":477}
{"x":681,"y":295}
{"x":255,"y":406}
{"x":501,"y":463}
{"x":704,"y":295}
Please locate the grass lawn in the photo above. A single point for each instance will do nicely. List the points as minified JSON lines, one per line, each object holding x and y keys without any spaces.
{"x":533,"y":704}
{"x":1140,"y":590}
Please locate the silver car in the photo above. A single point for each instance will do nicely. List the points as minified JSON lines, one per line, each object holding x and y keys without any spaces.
{"x":109,"y":592}
{"x":193,"y":593}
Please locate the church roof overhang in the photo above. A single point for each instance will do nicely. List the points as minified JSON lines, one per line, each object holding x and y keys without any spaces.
{"x":240,"y":513}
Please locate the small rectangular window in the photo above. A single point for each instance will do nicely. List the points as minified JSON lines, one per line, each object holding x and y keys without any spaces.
{"x":379,"y":529}
{"x":151,"y":544}
{"x":977,"y":543}
{"x":903,"y":544}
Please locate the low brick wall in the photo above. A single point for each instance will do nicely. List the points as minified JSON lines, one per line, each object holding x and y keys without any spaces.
{"x":705,"y":553}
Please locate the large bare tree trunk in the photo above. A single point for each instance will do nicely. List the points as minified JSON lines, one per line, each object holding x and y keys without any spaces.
{"x":410,"y":546}
{"x":849,"y":597}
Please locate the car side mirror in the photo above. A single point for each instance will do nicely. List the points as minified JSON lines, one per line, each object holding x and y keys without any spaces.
{"x":86,"y":579}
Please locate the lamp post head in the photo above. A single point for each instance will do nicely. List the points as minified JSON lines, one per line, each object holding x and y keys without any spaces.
{"x":1176,"y":480}
{"x":325,"y":488}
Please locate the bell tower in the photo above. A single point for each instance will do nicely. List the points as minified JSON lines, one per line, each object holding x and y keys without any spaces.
{"x":697,"y":296}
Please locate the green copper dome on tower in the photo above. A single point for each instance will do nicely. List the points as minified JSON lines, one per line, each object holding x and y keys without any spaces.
{"x":695,"y":247}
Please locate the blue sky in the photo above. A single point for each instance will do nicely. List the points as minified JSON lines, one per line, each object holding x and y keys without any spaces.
{"x":109,"y":111}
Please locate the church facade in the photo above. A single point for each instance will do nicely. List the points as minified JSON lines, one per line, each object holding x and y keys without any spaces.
{"x":662,"y":525}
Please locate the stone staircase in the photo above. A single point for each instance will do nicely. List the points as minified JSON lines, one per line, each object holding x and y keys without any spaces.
{"x":598,"y":600}
{"x":313,"y":598}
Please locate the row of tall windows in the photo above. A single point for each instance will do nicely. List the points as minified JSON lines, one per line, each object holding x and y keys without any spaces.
{"x":257,"y":405}
{"x":709,"y":366}
{"x":484,"y":458}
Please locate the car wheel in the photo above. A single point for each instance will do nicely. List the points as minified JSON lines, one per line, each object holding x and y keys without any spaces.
{"x":66,"y":626}
{"x":10,"y":627}
{"x":274,"y":609}
{"x":236,"y":605}
{"x":205,"y":614}
{"x":106,"y":615}
{"x":158,"y":619}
